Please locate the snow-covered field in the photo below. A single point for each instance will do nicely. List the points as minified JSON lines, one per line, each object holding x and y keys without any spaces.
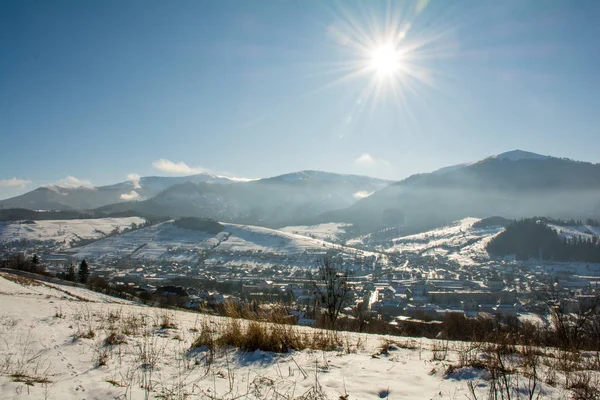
{"x":54,"y":347}
{"x":328,"y":231}
{"x":460,"y":242}
{"x":63,"y":232}
{"x":585,"y":231}
{"x":167,"y":241}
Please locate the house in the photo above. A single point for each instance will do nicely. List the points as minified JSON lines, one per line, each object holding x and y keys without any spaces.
{"x":171,"y":291}
{"x":505,"y":309}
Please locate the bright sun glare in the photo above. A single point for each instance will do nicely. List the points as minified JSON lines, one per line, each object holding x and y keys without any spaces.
{"x":388,"y":54}
{"x":386,"y":60}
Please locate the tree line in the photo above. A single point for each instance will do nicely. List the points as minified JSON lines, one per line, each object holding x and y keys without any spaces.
{"x":71,"y":272}
{"x":533,"y":238}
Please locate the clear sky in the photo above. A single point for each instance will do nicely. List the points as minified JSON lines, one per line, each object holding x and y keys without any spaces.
{"x":91,"y":91}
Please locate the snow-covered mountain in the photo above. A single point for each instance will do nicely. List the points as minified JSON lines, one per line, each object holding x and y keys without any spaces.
{"x":519,"y":155}
{"x":278,"y":201}
{"x":56,"y":197}
{"x":325,"y":177}
{"x":295,"y":195}
{"x":512,"y":184}
{"x":514,"y":155}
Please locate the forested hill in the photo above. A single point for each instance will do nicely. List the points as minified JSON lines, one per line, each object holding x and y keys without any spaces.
{"x":533,"y":238}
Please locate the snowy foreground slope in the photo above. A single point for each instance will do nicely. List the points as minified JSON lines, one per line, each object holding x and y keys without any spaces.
{"x":60,"y":342}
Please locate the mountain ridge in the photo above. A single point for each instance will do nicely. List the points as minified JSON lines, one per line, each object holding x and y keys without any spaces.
{"x":512,"y":184}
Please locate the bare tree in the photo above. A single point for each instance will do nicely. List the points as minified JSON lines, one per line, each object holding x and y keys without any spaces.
{"x":331,"y":289}
{"x":576,"y":322}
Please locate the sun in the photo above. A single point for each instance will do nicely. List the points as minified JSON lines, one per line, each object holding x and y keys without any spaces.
{"x":385,"y":53}
{"x":385,"y":60}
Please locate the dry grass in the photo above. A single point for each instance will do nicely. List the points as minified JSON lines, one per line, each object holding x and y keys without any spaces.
{"x":278,"y":338}
{"x":165,"y":321}
{"x":86,"y":333}
{"x":28,"y":364}
{"x":21,"y":280}
{"x":583,"y":386}
{"x":439,"y":350}
{"x":114,"y":339}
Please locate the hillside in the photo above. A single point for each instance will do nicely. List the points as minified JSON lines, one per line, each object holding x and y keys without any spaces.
{"x":66,"y":342}
{"x":536,"y":239}
{"x":62,"y":234}
{"x":513,"y":185}
{"x":236,"y":243}
{"x":460,"y":242}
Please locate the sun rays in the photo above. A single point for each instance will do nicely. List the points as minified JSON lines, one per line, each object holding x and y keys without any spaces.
{"x":385,"y":54}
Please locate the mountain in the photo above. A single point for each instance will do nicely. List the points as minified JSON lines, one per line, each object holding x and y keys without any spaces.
{"x":55,"y":197}
{"x":277,"y":201}
{"x":513,"y":184}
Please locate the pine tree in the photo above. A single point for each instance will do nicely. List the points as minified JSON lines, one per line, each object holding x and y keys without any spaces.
{"x":69,"y":272}
{"x":35,"y":263}
{"x":84,"y":271}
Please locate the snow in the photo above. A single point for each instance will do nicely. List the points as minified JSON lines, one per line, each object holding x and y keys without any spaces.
{"x":327,"y":231}
{"x":450,"y":168}
{"x":460,"y":242}
{"x":167,"y":241}
{"x":568,"y":232}
{"x":514,"y":155}
{"x":517,"y":155}
{"x":65,"y":232}
{"x":49,"y":290}
{"x":38,"y":343}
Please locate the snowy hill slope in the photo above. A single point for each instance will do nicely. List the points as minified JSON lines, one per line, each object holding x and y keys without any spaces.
{"x":327,"y":231}
{"x":63,"y":232}
{"x":59,"y":347}
{"x":459,"y":242}
{"x":167,"y":241}
{"x":569,"y":231}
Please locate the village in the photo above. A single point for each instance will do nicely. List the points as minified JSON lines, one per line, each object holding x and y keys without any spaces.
{"x":401,"y":288}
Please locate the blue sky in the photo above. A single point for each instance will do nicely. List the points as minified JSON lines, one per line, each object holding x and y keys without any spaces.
{"x":91,"y":91}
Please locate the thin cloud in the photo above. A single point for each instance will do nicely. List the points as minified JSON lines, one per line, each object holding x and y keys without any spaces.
{"x":361,"y":194}
{"x":367,"y":160}
{"x":385,"y":163}
{"x":238,"y":179}
{"x":14,"y":182}
{"x":131,"y":196}
{"x":176,"y":168}
{"x":364,"y":159}
{"x":135,"y":180}
{"x":73,"y":182}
